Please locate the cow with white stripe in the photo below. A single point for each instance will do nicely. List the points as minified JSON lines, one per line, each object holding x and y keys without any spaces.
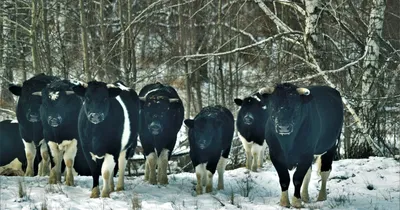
{"x":250,"y":125}
{"x":30,"y":125}
{"x":161,"y":117}
{"x":59,"y":113}
{"x":108,"y":126}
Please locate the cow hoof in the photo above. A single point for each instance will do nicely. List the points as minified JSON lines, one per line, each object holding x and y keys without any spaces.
{"x":105,"y":194}
{"x":52,"y":178}
{"x":69,"y":182}
{"x":284,"y":203}
{"x":164,"y":181}
{"x":321,"y":197}
{"x":199,"y":189}
{"x":254,"y":169}
{"x":305,"y":198}
{"x":29,"y":173}
{"x":95,"y":192}
{"x":296,"y":202}
{"x":220,"y":187}
{"x":208,"y":189}
{"x":120,"y":188}
{"x":153,"y":181}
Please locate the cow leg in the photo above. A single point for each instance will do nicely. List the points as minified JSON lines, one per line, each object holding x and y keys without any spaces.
{"x":324,"y":163}
{"x":211,"y":167}
{"x":45,"y":163}
{"x":162,"y":167}
{"x":69,"y":157}
{"x":107,"y":171}
{"x":95,"y":168}
{"x":256,"y":152}
{"x":221,"y":169}
{"x":261,"y":156}
{"x":30,"y":152}
{"x":284,"y":180}
{"x":55,"y":173}
{"x":121,"y":170}
{"x":304,"y":191}
{"x":146,"y":170}
{"x":152,"y":160}
{"x":298,"y":178}
{"x":247,"y":148}
{"x":200,"y":174}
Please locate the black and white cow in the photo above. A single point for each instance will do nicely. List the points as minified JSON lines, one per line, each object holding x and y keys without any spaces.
{"x":250,"y":124}
{"x":11,"y":146}
{"x":30,"y":125}
{"x":210,"y":139}
{"x":161,"y":117}
{"x":59,"y":113}
{"x":108,"y":127}
{"x":302,"y":122}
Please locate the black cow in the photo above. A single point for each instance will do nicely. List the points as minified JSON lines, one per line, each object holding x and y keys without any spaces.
{"x":108,"y":127}
{"x":302,"y":122}
{"x":161,"y":117}
{"x":11,"y":145}
{"x":250,"y":124}
{"x":210,"y":139}
{"x":30,"y":126}
{"x":59,"y":113}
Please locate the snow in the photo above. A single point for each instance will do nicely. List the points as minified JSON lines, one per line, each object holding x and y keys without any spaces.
{"x":347,"y":189}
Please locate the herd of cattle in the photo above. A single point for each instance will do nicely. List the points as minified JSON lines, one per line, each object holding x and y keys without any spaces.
{"x":94,"y":128}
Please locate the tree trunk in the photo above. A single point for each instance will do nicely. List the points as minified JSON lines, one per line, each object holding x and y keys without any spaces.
{"x":33,"y":37}
{"x":45,"y":29}
{"x":84,"y":41}
{"x":60,"y":29}
{"x":220,"y":67}
{"x":123,"y":49}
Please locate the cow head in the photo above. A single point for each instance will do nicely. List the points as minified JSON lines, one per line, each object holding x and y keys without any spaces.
{"x":157,"y":110}
{"x":56,"y":98}
{"x":284,"y":104}
{"x":252,"y":109}
{"x":96,"y":99}
{"x":29,"y":99}
{"x":204,"y":129}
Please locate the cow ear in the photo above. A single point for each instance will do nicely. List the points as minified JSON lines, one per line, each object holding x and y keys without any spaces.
{"x":175,"y":104}
{"x":238,"y":101}
{"x":79,"y":90}
{"x":306,"y":98}
{"x":113,"y":92}
{"x":15,"y":89}
{"x":189,"y":123}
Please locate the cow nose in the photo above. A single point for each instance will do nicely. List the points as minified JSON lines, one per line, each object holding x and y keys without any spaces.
{"x":32,"y":116}
{"x":54,"y":121}
{"x":155,"y":128}
{"x":96,"y":117}
{"x":248,"y":119}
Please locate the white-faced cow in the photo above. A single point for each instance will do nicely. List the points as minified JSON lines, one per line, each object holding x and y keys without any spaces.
{"x":12,"y":147}
{"x":250,"y":124}
{"x":302,"y":122}
{"x":161,"y":117}
{"x":108,"y":126}
{"x":59,"y":113}
{"x":30,"y":125}
{"x":210,"y":139}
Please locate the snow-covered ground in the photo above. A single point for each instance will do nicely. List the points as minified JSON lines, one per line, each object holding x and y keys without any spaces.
{"x":372,"y":183}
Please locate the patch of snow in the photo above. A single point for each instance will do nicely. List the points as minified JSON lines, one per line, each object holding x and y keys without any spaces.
{"x":372,"y":183}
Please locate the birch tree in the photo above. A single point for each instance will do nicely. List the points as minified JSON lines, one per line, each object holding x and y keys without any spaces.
{"x":84,"y":35}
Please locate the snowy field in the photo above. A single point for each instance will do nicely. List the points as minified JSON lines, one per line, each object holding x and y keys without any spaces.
{"x":372,"y":183}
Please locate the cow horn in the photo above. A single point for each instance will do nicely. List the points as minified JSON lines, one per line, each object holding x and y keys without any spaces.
{"x":172,"y":100}
{"x":142,"y":98}
{"x":69,"y":92}
{"x":111,"y":86}
{"x":303,"y":91}
{"x":37,"y":93}
{"x":266,"y":90}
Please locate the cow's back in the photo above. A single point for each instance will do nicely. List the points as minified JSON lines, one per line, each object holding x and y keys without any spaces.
{"x":327,"y":112}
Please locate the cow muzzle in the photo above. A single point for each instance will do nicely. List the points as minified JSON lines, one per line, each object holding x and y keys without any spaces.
{"x":248,"y":119}
{"x":32,"y":116}
{"x":155,"y":128}
{"x":284,"y":130}
{"x":203,"y":143}
{"x":54,"y":121}
{"x":96,"y":118}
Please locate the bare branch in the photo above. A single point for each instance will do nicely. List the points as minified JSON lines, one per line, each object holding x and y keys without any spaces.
{"x":278,"y":22}
{"x":240,"y":48}
{"x":292,"y":5}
